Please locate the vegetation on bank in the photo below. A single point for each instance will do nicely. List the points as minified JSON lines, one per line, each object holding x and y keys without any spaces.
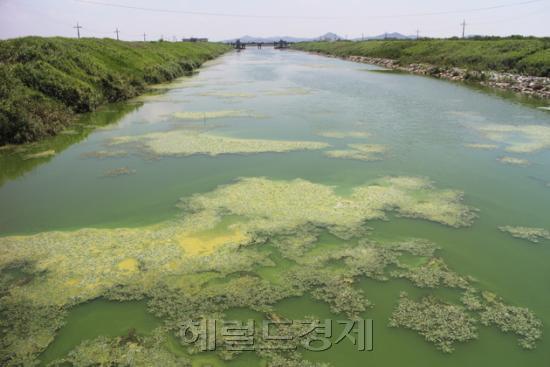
{"x":529,"y":56}
{"x":44,"y":82}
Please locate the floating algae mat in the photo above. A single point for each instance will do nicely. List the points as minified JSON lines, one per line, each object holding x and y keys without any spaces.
{"x":362,"y":152}
{"x":106,"y":257}
{"x":227,"y":94}
{"x":208,"y":115}
{"x":482,"y":146}
{"x":514,"y":161}
{"x":534,"y":235}
{"x":343,"y":134}
{"x":293,"y":91}
{"x":519,"y":139}
{"x":133,"y":263}
{"x":44,"y":154}
{"x":188,"y":142}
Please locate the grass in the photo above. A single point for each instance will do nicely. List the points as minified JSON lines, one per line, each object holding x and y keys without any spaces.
{"x":44,"y":82}
{"x":529,"y":56}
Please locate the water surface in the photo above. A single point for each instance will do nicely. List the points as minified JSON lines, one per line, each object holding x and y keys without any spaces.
{"x":425,"y":124}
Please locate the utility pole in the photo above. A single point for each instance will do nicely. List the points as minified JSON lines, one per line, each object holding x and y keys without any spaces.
{"x":144,"y":37}
{"x":78,"y":26}
{"x":463,"y":24}
{"x":417,"y":34}
{"x":117,"y":31}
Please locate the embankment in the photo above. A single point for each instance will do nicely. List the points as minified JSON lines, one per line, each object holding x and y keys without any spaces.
{"x":45,"y":82}
{"x":521,"y":65}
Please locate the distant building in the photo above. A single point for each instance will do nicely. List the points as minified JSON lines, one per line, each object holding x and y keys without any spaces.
{"x":193,"y":39}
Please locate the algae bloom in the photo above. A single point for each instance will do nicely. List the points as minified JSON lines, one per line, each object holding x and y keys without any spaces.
{"x":438,"y":322}
{"x":362,"y":152}
{"x":121,"y":171}
{"x":189,"y":142}
{"x":514,"y":161}
{"x":343,"y":134}
{"x":39,"y":155}
{"x":219,"y":234}
{"x":295,"y":91}
{"x":482,"y":146}
{"x":209,"y":115}
{"x":230,"y":95}
{"x":532,"y":138}
{"x":534,"y":235}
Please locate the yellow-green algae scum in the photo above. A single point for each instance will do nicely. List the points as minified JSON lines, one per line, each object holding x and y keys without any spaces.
{"x":282,"y":185}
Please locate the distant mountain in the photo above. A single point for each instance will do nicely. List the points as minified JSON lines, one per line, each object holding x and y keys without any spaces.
{"x":326,"y":37}
{"x":393,"y":35}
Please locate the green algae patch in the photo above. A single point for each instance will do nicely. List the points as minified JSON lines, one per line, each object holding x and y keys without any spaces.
{"x":179,"y":83}
{"x":482,"y":146}
{"x":70,"y":258}
{"x":121,"y":171}
{"x":229,"y":95}
{"x":512,"y":319}
{"x":275,"y":205}
{"x":100,"y":154}
{"x":518,"y":138}
{"x":509,"y":319}
{"x":189,"y":142}
{"x":343,"y":134}
{"x":432,"y":274}
{"x":40,"y":155}
{"x":440,"y":323}
{"x":209,"y":115}
{"x":131,"y":349}
{"x":157,"y":98}
{"x":204,"y":244}
{"x":534,"y":235}
{"x":513,"y":161}
{"x":297,"y":91}
{"x":362,"y":152}
{"x":205,"y":262}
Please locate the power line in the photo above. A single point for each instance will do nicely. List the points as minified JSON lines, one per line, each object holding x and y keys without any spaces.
{"x":232,"y":15}
{"x":175,"y":11}
{"x":460,"y":11}
{"x":512,"y":19}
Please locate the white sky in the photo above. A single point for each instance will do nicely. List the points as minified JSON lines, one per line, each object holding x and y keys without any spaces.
{"x":303,"y":18}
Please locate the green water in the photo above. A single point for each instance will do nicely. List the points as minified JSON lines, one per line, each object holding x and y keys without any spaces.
{"x":425,"y":124}
{"x":100,"y":318}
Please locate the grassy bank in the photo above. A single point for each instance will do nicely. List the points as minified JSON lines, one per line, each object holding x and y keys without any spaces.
{"x":44,"y":82}
{"x":529,"y":56}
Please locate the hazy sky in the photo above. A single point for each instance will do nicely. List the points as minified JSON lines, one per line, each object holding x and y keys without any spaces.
{"x":223,"y":19}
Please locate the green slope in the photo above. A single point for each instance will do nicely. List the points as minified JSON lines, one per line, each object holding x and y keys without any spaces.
{"x":44,"y":82}
{"x":530,"y":56}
